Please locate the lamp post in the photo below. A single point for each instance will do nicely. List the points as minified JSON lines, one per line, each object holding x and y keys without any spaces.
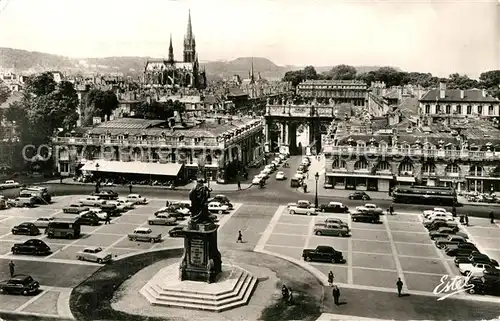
{"x":316,"y":177}
{"x":97,"y":178}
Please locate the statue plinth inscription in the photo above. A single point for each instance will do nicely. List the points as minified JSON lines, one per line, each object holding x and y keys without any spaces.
{"x":201,"y":260}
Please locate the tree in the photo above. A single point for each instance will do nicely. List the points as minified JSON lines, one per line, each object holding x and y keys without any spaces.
{"x":310,"y":73}
{"x":457,"y":81}
{"x":4,"y":93}
{"x":42,"y":84}
{"x":490,"y":79}
{"x":100,"y":103}
{"x":342,"y":72}
{"x":295,"y":77}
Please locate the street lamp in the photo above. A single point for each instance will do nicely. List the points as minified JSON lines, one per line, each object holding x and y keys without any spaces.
{"x":97,"y":178}
{"x":316,"y":177}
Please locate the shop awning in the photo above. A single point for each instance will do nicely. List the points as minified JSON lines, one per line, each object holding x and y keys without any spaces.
{"x":406,"y":179}
{"x":479,"y":178}
{"x":170,"y":169}
{"x":358,"y":175}
{"x":452,"y":179}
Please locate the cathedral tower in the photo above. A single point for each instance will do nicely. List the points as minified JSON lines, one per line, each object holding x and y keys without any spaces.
{"x":189,"y":43}
{"x":171,"y":51}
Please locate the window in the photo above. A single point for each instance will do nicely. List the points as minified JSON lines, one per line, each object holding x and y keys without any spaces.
{"x":438,"y":109}
{"x":452,"y":169}
{"x":338,"y":163}
{"x":429,"y":169}
{"x":469,"y":110}
{"x":448,"y":109}
{"x":480,"y":110}
{"x":383,"y":166}
{"x":427,"y":109}
{"x":361,"y":165}
{"x":476,"y":170}
{"x":406,"y":168}
{"x":459,"y":109}
{"x":491,"y":110}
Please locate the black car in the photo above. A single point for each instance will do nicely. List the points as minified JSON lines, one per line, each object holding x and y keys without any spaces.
{"x":106,"y":195}
{"x":365,"y":217}
{"x":33,"y":246}
{"x":461,"y":249}
{"x":492,"y":272}
{"x":176,"y":231}
{"x":444,"y":232}
{"x":323,"y":253}
{"x":437,"y":224}
{"x":333,"y":207}
{"x":485,"y":285}
{"x":359,"y":196}
{"x":26,"y":228}
{"x":19,"y":284}
{"x":110,"y":209}
{"x":474,"y":257}
{"x":88,"y":219}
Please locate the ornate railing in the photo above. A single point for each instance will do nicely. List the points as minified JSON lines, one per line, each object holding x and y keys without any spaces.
{"x":132,"y":142}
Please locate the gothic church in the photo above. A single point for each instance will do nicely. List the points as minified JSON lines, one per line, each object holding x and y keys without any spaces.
{"x":177,"y":74}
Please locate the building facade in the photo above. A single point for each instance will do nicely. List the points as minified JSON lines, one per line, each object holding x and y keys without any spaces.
{"x":172,"y":73}
{"x":336,"y":91}
{"x":220,"y":147}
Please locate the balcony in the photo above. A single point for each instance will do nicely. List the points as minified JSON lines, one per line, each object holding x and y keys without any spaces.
{"x":131,"y":142}
{"x":415,"y":152}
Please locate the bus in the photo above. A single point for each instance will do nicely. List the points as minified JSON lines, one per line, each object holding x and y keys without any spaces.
{"x":63,"y":228}
{"x":445,"y":196}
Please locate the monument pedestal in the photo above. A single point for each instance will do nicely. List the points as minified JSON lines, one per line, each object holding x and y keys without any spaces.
{"x":202,"y":259}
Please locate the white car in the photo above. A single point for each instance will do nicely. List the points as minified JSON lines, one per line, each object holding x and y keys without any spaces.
{"x":427,"y":213}
{"x":122,"y":207}
{"x":475,"y":269}
{"x":43,"y":222}
{"x":128,"y":204}
{"x":92,"y":201}
{"x":94,"y":254}
{"x":162,"y":219}
{"x":97,"y":211}
{"x":369,"y":208}
{"x":280,"y":176}
{"x":439,"y":216}
{"x":136,"y":199}
{"x":218,"y":207}
{"x":257,"y":179}
{"x":9,"y":184}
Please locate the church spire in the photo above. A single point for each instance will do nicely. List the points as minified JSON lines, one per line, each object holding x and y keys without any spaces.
{"x":171,"y":51}
{"x":252,"y":77}
{"x":189,"y":34}
{"x":189,"y":42}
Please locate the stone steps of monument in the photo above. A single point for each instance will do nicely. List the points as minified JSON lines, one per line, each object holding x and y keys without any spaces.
{"x":240,"y":298}
{"x":242,"y":277}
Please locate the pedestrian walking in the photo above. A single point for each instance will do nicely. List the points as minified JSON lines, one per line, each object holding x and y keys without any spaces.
{"x":12,"y":267}
{"x":108,"y":219}
{"x":290,"y":296}
{"x":492,"y":217}
{"x":167,"y":203}
{"x":239,"y":186}
{"x":454,"y":211}
{"x":284,"y":292}
{"x":305,"y":187}
{"x":336,"y":294}
{"x":391,"y":209}
{"x":130,"y":188}
{"x":240,"y":238}
{"x":466,"y":219}
{"x":330,"y":278}
{"x":399,"y":284}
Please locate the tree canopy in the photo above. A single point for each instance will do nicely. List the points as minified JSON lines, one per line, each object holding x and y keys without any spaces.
{"x":4,"y":93}
{"x":45,"y":106}
{"x":98,"y":103}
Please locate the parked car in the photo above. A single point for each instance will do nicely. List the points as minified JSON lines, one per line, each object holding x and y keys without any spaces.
{"x":437,"y":216}
{"x":333,"y":220}
{"x":302,"y":207}
{"x":473,"y":268}
{"x":75,"y":208}
{"x":170,"y":211}
{"x":359,"y":196}
{"x":33,"y":247}
{"x":450,"y":222}
{"x":365,"y":217}
{"x":19,"y":284}
{"x":128,"y":204}
{"x":444,"y":232}
{"x":460,"y":249}
{"x":43,"y":222}
{"x":323,"y":253}
{"x":475,"y":257}
{"x":144,"y":234}
{"x":451,"y":239}
{"x":9,"y":184}
{"x":110,"y":209}
{"x":216,"y":207}
{"x":26,"y":228}
{"x":119,"y":206}
{"x":369,"y":208}
{"x":440,"y":223}
{"x":258,"y":179}
{"x":100,"y":214}
{"x":280,"y":176}
{"x":137,"y":199}
{"x":92,"y":201}
{"x":332,"y":229}
{"x":333,"y":207}
{"x":176,"y":231}
{"x":25,"y":201}
{"x":88,"y":218}
{"x":106,"y":195}
{"x":94,"y":254}
{"x":484,"y":285}
{"x":428,"y":213}
{"x":162,"y":219}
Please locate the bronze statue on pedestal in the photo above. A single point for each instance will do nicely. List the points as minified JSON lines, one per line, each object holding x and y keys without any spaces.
{"x":199,"y":196}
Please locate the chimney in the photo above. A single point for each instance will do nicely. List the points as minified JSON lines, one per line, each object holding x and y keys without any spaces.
{"x":484,"y":92}
{"x":442,"y":90}
{"x":462,"y":94}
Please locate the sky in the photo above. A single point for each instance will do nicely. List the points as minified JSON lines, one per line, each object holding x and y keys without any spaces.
{"x":440,"y":37}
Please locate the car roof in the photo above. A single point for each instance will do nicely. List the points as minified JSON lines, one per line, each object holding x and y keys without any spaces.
{"x":370,"y":204}
{"x":20,"y":277}
{"x":93,"y":248}
{"x":142,"y":229}
{"x":137,"y":195}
